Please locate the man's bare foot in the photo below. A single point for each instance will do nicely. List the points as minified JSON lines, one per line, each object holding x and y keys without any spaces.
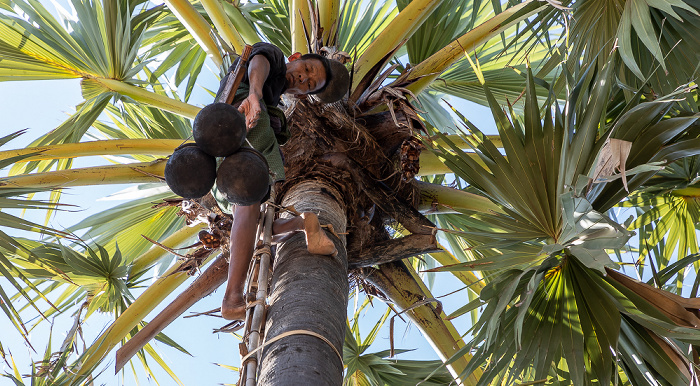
{"x":233,"y":308}
{"x":316,"y":240}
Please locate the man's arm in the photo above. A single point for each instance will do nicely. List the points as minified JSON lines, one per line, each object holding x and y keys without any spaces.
{"x":258,"y":70}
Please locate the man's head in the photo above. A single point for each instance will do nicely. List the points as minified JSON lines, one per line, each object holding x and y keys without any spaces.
{"x":307,"y":74}
{"x":315,"y":74}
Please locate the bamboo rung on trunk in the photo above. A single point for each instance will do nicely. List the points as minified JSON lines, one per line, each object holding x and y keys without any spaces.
{"x":258,"y":279}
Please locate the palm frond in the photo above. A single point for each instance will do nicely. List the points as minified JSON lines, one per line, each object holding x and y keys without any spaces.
{"x":198,"y":27}
{"x":125,"y":224}
{"x":273,"y":16}
{"x":361,"y":22}
{"x":105,"y":49}
{"x":654,"y":39}
{"x":455,"y":17}
{"x":425,"y":72}
{"x":399,"y":29}
{"x":403,"y":286}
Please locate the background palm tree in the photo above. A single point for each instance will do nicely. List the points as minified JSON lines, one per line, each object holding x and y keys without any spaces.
{"x":601,"y":108}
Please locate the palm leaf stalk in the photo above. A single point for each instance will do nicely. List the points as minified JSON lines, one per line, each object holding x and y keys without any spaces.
{"x":223,"y":24}
{"x":438,"y":198}
{"x":400,"y":283}
{"x":444,"y":257}
{"x":300,"y":25}
{"x":198,"y":27}
{"x":203,"y":285}
{"x":428,"y":70}
{"x":430,"y":163}
{"x":96,"y":175}
{"x":149,"y":98}
{"x":462,"y":143}
{"x":433,"y":162}
{"x":328,"y":15}
{"x":243,"y":25}
{"x":392,"y":36}
{"x":157,"y":147}
{"x":690,"y":191}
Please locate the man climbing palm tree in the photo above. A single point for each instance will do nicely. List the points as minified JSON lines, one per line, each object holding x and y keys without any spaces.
{"x":267,"y":78}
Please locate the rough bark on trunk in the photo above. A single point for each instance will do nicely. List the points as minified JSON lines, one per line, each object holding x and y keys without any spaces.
{"x":309,"y":293}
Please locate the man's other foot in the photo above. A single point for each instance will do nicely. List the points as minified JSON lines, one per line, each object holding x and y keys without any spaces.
{"x":232,"y":309}
{"x":316,"y":240}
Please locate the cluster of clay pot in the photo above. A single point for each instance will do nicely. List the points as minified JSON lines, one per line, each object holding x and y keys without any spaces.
{"x":219,"y":131}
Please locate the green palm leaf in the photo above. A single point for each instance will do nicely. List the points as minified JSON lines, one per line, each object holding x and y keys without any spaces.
{"x":360,"y":22}
{"x":107,"y":49}
{"x":172,"y":47}
{"x":377,"y":369}
{"x":93,"y":276}
{"x":655,"y":39}
{"x":545,"y":291}
{"x":133,"y":120}
{"x":572,"y":317}
{"x":273,"y":19}
{"x":125,"y":224}
{"x":672,"y":216}
{"x":12,"y":199}
{"x":455,"y":18}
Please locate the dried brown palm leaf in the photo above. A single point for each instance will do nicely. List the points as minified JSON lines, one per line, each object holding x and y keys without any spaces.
{"x":613,"y":156}
{"x":682,"y":311}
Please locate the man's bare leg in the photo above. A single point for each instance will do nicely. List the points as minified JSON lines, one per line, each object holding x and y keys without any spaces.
{"x":316,"y":240}
{"x":245,"y":223}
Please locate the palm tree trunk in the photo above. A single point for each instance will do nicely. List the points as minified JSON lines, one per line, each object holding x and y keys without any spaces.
{"x":309,"y":294}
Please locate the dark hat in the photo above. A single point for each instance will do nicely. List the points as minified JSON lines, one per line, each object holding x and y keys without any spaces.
{"x":338,"y":83}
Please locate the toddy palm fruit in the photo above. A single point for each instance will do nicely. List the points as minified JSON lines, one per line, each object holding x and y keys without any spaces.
{"x":219,"y":129}
{"x":190,"y":172}
{"x":243,"y":177}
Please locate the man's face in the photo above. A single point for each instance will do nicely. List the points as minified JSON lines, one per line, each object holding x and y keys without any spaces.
{"x":305,"y":76}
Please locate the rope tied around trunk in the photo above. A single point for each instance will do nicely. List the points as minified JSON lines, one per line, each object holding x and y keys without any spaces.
{"x":261,"y":250}
{"x":290,"y":333}
{"x":254,"y":303}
